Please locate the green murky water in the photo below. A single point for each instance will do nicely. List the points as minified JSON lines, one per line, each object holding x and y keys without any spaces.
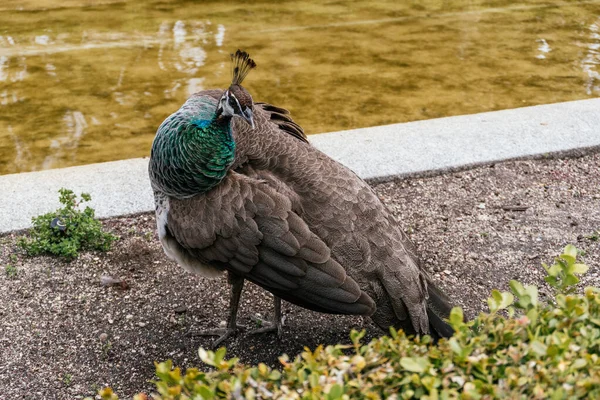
{"x":85,"y":81}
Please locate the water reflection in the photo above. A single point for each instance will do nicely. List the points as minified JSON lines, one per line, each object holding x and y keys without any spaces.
{"x":65,"y":146}
{"x":592,"y":59}
{"x":181,"y":48}
{"x":3,"y":68}
{"x":82,"y":84}
{"x":22,"y":155}
{"x":543,"y":49}
{"x":10,"y":73}
{"x":42,"y":40}
{"x":220,"y":35}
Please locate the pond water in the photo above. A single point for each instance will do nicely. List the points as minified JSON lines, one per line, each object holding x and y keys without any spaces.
{"x":85,"y":81}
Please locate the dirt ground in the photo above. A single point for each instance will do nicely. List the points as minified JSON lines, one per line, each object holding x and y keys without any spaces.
{"x":64,"y":335}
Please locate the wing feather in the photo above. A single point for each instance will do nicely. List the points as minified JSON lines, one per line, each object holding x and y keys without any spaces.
{"x":283,"y":120}
{"x":255,"y":233}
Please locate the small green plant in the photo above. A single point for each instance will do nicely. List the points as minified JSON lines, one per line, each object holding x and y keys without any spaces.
{"x":106,"y":347}
{"x":67,"y":379}
{"x":594,"y":236}
{"x":562,"y":275}
{"x":11,"y":271}
{"x":66,"y":231}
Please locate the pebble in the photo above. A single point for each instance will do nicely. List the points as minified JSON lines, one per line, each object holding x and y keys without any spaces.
{"x":103,"y":337}
{"x":181,"y":309}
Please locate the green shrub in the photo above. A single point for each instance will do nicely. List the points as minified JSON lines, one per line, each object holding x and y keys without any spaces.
{"x":67,"y":230}
{"x":540,"y":351}
{"x":11,"y":271}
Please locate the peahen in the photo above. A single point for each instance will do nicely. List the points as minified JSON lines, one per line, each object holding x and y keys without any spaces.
{"x":251,"y":197}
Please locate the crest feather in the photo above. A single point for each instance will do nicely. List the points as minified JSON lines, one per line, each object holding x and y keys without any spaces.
{"x":241,"y":64}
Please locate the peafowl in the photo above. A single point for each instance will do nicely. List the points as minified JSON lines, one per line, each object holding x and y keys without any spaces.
{"x":251,"y":197}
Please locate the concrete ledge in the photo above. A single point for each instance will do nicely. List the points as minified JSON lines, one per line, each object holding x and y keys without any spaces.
{"x":377,"y":153}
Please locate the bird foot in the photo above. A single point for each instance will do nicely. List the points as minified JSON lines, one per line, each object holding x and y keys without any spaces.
{"x":267,"y":326}
{"x":222,"y":333}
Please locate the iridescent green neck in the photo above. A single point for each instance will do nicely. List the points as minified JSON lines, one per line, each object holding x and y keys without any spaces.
{"x":191,"y":156}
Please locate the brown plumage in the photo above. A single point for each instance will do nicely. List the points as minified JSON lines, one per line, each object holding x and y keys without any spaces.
{"x":306,"y":228}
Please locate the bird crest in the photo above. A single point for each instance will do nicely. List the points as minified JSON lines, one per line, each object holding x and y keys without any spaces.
{"x":241,"y":66}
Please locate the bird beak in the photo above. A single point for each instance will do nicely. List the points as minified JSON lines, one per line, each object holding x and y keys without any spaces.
{"x":247,"y":115}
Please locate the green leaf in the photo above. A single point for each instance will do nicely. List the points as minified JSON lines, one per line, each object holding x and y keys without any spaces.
{"x":205,"y":392}
{"x":554,"y":270}
{"x":206,"y":356}
{"x":532,"y":292}
{"x":500,"y":301}
{"x":532,"y":314}
{"x":275,"y":375}
{"x":415,"y":364}
{"x":559,"y":394}
{"x":335,"y":392}
{"x":516,"y":287}
{"x":314,"y":380}
{"x":492,"y":304}
{"x":570,"y":250}
{"x":570,"y":280}
{"x":552,"y":281}
{"x":455,"y":346}
{"x":355,"y":336}
{"x":539,"y":348}
{"x":219,"y":355}
{"x":579,"y":269}
{"x":456,"y":318}
{"x":568,"y":259}
{"x":163,"y":368}
{"x":496,"y":295}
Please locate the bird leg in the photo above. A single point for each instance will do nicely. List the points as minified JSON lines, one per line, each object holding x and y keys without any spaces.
{"x":276,"y":325}
{"x":237,"y":284}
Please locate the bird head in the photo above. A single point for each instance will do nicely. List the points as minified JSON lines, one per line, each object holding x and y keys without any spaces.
{"x":236,"y":100}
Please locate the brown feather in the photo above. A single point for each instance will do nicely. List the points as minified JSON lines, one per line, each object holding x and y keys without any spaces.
{"x":305,"y":272}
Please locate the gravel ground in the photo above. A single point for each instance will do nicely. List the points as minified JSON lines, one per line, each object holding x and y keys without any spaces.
{"x":64,"y":335}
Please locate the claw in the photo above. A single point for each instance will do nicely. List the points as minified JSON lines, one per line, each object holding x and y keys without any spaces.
{"x":222,"y":333}
{"x":269,"y":327}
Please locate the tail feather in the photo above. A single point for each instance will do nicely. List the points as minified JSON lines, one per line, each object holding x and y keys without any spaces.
{"x":438,"y":309}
